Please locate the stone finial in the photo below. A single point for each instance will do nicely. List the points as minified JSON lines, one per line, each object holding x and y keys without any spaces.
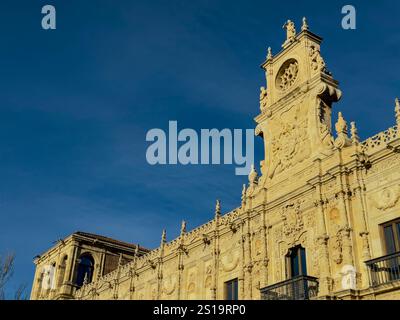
{"x":183,"y":227}
{"x":164,"y":237}
{"x":341,"y":124}
{"x":137,"y":250}
{"x":397,"y":111}
{"x":253,"y":175}
{"x":218,"y":208}
{"x":342,"y":139}
{"x":355,"y":139}
{"x":290,"y":32}
{"x":244,"y":194}
{"x":305,"y":26}
{"x":269,"y":53}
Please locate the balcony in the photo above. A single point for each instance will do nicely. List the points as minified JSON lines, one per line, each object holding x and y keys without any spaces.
{"x":298,"y":288}
{"x":384,"y":270}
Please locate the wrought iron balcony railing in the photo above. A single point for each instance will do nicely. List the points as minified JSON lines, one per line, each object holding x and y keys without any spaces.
{"x":384,"y":270}
{"x":298,"y":288}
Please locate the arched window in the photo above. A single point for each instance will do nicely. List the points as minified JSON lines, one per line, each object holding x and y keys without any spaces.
{"x":85,"y":269}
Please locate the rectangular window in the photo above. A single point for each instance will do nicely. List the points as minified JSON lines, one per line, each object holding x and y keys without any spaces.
{"x":232,"y":290}
{"x":297,"y":262}
{"x":391,"y":234}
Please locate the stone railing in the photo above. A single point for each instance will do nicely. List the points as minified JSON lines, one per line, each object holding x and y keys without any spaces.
{"x":380,"y":140}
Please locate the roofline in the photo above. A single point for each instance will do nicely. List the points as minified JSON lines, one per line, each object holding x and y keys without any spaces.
{"x":102,"y":239}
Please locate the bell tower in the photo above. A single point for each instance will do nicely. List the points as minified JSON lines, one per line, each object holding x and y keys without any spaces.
{"x":295,"y":118}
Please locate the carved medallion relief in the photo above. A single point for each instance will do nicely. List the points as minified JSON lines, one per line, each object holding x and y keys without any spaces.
{"x":386,"y":198}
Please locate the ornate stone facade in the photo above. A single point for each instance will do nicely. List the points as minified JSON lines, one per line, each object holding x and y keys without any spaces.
{"x":328,"y":195}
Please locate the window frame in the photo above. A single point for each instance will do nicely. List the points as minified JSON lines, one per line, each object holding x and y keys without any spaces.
{"x":80,"y":266}
{"x":396,"y":235}
{"x":298,"y":249}
{"x":231,"y":286}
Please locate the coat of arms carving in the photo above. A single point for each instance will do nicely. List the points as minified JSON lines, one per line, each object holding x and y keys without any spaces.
{"x":290,"y":143}
{"x":292,"y":219}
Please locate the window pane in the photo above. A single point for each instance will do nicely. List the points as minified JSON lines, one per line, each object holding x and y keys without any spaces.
{"x":303,"y":262}
{"x":235,"y":290}
{"x":389,"y":239}
{"x":398,"y":236}
{"x":232,"y":292}
{"x":295,"y":263}
{"x":229,"y":291}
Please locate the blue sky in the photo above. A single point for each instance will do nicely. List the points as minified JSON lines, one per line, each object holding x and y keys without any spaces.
{"x":76,"y":104}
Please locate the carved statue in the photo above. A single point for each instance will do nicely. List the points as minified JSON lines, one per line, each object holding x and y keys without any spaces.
{"x":263,"y":99}
{"x":269,"y":53}
{"x":304,"y":27}
{"x":290,"y":32}
{"x":317,"y":62}
{"x":183,"y":227}
{"x":324,"y":124}
{"x":253,"y":176}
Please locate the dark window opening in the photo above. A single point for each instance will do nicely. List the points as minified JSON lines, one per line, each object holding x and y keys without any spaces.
{"x":231,"y":290}
{"x":85,"y":269}
{"x":391,"y":232}
{"x":297,"y":262}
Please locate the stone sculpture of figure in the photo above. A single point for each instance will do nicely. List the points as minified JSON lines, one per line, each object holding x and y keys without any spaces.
{"x":183,"y":227}
{"x":305,"y":25}
{"x":290,"y":31}
{"x":269,"y":53}
{"x":263,"y":99}
{"x":317,"y":62}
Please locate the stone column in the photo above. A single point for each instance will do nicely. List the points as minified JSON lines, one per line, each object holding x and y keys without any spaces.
{"x":181,"y":252}
{"x":264,"y":268}
{"x":345,"y":231}
{"x":160,"y":264}
{"x":242,"y":265}
{"x":323,"y":252}
{"x":216,"y":266}
{"x":247,"y":259}
{"x":366,"y":250}
{"x":68,"y":283}
{"x":35,"y":293}
{"x":71,"y":266}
